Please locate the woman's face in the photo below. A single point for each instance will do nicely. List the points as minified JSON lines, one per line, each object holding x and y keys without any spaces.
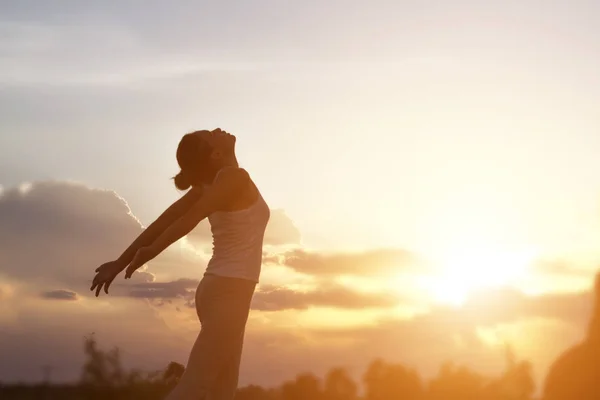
{"x":222,"y":142}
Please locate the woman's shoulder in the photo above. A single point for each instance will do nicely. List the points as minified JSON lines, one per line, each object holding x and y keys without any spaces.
{"x":232,"y":175}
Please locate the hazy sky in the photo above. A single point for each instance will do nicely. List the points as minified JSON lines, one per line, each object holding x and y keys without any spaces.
{"x":463,"y":133}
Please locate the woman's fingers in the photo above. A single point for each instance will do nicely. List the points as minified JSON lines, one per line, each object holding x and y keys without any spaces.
{"x":98,"y":282}
{"x":130,"y":270}
{"x":106,"y":285}
{"x":94,"y":282}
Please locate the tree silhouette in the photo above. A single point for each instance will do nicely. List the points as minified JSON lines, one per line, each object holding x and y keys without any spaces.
{"x":517,"y":381}
{"x":103,"y":377}
{"x":173,"y":373}
{"x":340,"y":386}
{"x":305,"y":386}
{"x":454,"y":382}
{"x":254,"y":392}
{"x":385,"y":381}
{"x":575,"y":374}
{"x":101,"y":368}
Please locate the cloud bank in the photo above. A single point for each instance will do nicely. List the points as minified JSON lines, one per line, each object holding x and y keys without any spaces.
{"x":54,"y":234}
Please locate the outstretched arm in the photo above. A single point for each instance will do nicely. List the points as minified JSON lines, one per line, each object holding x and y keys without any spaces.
{"x":228,"y":186}
{"x":168,"y":217}
{"x":107,"y":272}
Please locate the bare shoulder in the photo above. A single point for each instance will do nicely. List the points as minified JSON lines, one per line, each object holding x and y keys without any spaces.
{"x":234,"y":176}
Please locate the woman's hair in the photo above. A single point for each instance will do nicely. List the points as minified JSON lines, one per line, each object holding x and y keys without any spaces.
{"x":192,"y":155}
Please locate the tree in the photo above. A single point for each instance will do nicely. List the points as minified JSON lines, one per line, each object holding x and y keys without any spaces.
{"x":517,"y":381}
{"x":340,"y":386}
{"x":102,"y":368}
{"x":456,"y":383}
{"x":253,"y":392}
{"x":385,"y":381}
{"x":173,"y":373}
{"x":305,"y":386}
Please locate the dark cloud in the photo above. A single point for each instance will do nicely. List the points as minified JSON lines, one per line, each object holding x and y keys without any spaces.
{"x":372,"y":262}
{"x":60,"y":295}
{"x":60,"y":232}
{"x":73,"y":229}
{"x":280,"y":231}
{"x":63,"y":209}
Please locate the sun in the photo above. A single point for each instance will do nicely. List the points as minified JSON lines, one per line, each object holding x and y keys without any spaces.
{"x":476,"y":267}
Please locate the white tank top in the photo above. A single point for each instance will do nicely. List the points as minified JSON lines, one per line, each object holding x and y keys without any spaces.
{"x":238,"y":241}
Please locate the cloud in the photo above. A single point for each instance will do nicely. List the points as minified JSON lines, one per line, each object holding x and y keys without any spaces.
{"x":561,"y":267}
{"x":474,"y":335}
{"x":73,"y":229}
{"x":182,"y":289}
{"x":60,"y":295}
{"x":280,"y":231}
{"x":273,"y":298}
{"x":54,"y":234}
{"x":489,"y":308}
{"x":34,"y":53}
{"x":143,"y":276}
{"x":58,"y":233}
{"x":270,"y":297}
{"x":423,"y":341}
{"x":368,"y":263}
{"x":507,"y":305}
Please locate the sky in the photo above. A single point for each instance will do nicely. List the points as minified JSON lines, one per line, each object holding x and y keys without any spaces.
{"x":430,"y":166}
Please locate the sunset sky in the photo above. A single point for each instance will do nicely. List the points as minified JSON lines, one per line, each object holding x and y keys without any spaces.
{"x":432,"y":170}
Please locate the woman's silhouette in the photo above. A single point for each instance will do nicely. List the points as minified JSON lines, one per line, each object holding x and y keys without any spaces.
{"x":224,"y":193}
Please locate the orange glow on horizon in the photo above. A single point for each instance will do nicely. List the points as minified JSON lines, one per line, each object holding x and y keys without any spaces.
{"x":476,"y":266}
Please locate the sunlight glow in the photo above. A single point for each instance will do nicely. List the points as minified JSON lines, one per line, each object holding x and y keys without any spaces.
{"x":477,"y":267}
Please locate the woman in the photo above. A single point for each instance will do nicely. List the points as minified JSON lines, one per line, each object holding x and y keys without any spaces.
{"x":225,"y":194}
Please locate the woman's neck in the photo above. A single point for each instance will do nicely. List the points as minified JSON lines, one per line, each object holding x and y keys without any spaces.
{"x":230,"y":162}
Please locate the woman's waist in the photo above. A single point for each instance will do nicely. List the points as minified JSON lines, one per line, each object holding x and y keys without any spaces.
{"x":247,"y":259}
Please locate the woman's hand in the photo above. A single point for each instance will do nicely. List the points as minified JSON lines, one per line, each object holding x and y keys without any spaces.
{"x":142,"y":256}
{"x":105,"y":274}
